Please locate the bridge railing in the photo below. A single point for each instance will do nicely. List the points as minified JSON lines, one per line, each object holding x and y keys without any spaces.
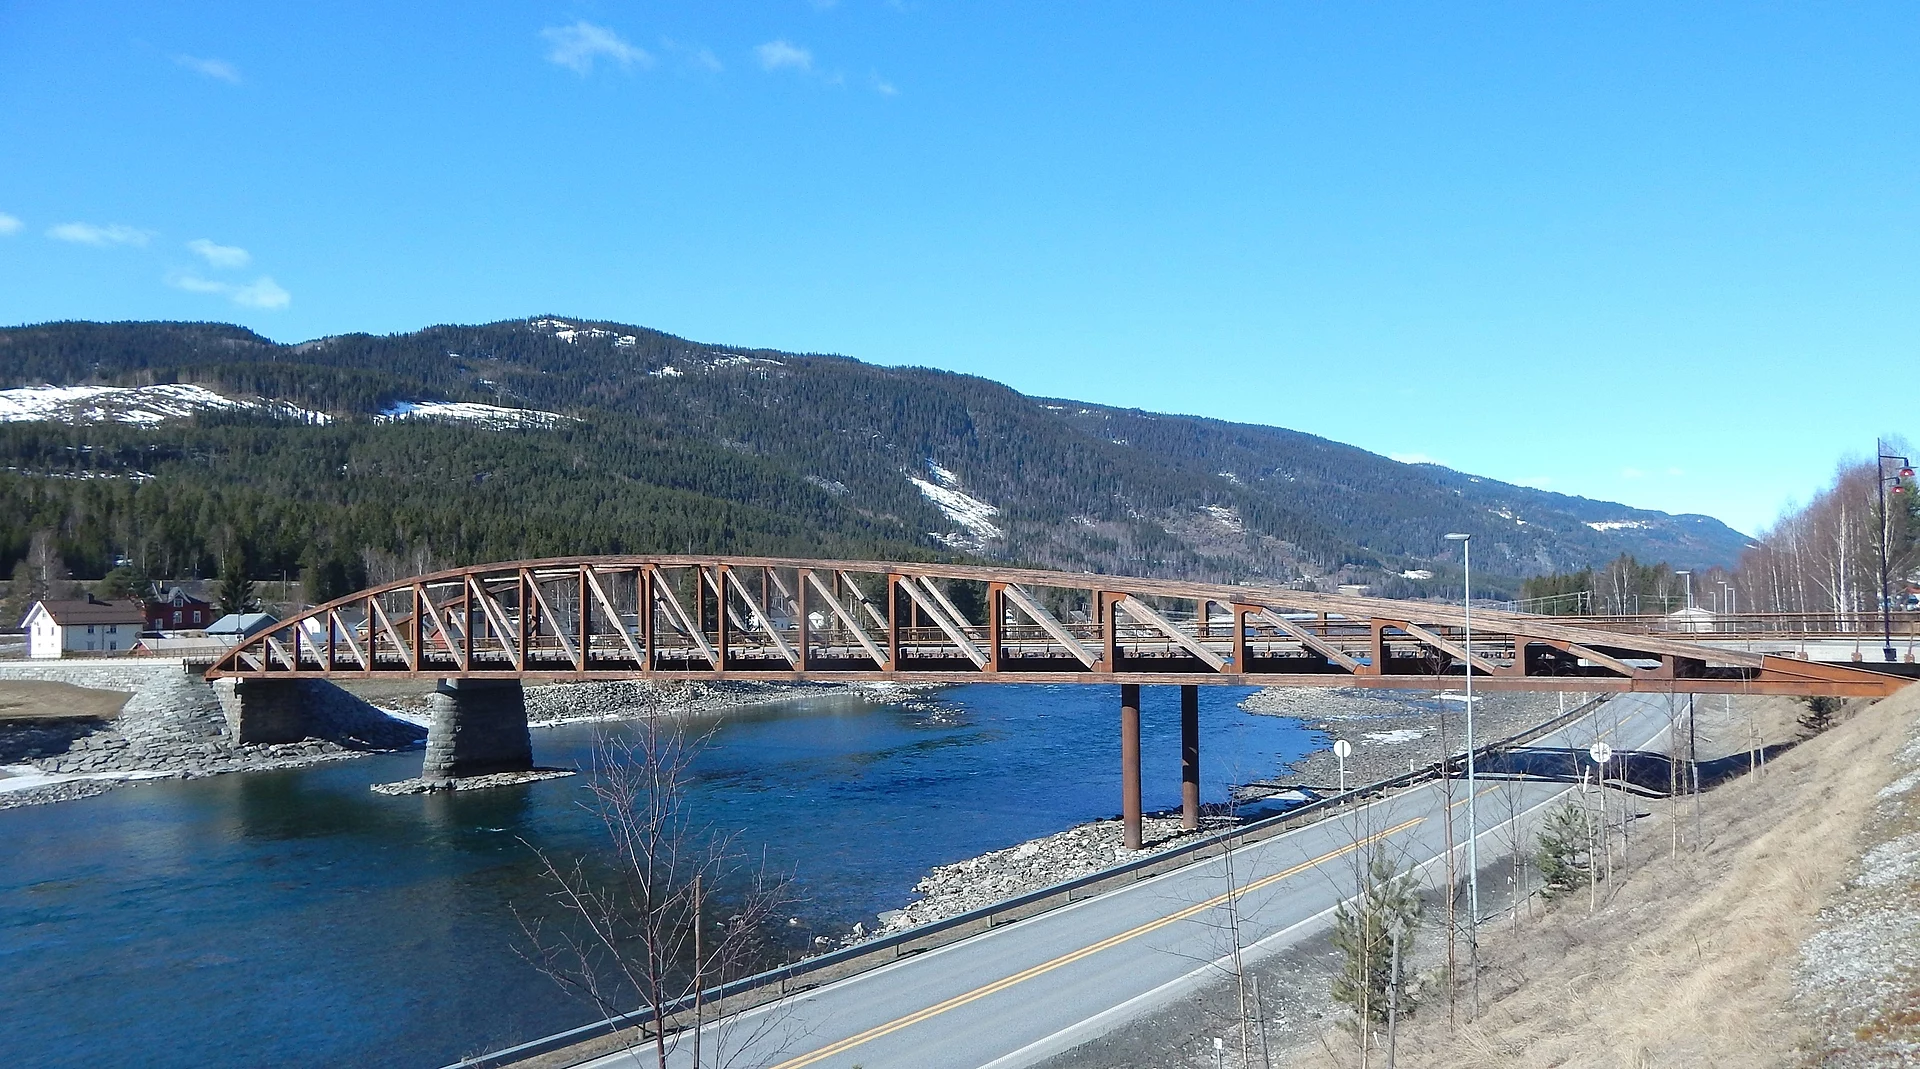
{"x":1905,"y":624}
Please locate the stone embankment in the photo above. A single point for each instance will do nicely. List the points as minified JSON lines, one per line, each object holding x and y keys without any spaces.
{"x":173,"y":727}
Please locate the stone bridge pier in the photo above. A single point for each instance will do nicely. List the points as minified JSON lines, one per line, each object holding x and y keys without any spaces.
{"x":479,"y":727}
{"x":263,"y":710}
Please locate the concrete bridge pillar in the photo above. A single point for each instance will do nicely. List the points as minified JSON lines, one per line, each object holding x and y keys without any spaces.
{"x":479,"y":726}
{"x":262,"y":710}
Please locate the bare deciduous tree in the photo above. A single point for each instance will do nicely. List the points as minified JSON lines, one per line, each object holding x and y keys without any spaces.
{"x":640,"y":932}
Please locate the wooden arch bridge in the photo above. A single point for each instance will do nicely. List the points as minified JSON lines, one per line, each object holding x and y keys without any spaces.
{"x":712,"y":618}
{"x":483,"y":631}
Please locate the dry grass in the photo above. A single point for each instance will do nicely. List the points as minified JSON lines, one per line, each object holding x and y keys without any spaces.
{"x":37,"y":699}
{"x":1689,"y":961}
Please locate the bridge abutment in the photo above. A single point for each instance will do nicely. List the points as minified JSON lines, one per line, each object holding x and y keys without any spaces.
{"x":263,"y":710}
{"x":479,"y":727}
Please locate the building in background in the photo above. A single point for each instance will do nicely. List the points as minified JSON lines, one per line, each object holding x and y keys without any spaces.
{"x":56,"y":628}
{"x":176,"y":610}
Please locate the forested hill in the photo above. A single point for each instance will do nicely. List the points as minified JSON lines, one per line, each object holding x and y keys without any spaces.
{"x":463,"y":443}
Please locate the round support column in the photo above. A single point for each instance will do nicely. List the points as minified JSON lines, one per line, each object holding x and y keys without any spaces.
{"x":1190,"y":756}
{"x":1130,"y":764}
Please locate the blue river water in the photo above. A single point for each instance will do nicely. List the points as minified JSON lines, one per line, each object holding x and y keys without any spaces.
{"x":296,"y":918}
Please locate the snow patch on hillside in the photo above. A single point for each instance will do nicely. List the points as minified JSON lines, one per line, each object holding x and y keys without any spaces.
{"x":973,"y":516}
{"x":1226,"y":516}
{"x":130,"y":404}
{"x":1621,"y":525}
{"x":568,"y":333}
{"x":470,"y":412}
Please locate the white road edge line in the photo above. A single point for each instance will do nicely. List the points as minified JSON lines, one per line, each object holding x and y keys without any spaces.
{"x":1099,"y":1024}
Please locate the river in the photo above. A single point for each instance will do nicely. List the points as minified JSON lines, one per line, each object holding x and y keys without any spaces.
{"x":296,"y":918}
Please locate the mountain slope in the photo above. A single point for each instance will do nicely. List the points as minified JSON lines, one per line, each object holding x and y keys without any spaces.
{"x":825,"y":449}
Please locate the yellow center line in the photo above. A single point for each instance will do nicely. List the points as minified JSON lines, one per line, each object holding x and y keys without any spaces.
{"x":1069,"y":958}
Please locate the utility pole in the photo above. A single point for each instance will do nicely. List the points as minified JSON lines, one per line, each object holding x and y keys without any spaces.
{"x":1881,"y":479}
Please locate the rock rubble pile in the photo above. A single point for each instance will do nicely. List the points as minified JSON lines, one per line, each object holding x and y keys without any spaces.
{"x":975,"y":883}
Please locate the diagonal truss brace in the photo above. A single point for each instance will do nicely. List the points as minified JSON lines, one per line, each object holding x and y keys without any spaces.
{"x":553,"y":622}
{"x":684,"y":623}
{"x":497,"y":619}
{"x":766,"y":624}
{"x":1141,"y":613}
{"x":879,"y":619}
{"x":1445,"y":645}
{"x":938,"y":610}
{"x":846,"y":619}
{"x":1039,"y":615}
{"x":1308,"y":639}
{"x":606,"y":606}
{"x":440,"y":627}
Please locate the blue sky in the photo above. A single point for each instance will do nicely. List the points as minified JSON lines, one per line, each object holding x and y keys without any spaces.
{"x":1663,"y":254}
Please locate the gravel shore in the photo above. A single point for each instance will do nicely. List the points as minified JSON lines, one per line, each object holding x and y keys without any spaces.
{"x":950,"y":890}
{"x":1392,"y":732}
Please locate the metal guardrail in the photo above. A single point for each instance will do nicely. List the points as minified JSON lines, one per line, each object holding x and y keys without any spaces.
{"x":808,"y":973}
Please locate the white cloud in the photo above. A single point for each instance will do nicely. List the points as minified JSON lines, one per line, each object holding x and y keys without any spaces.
{"x":1675,"y":472}
{"x":9,"y":225}
{"x":262,"y":292}
{"x":1414,"y":458}
{"x":218,"y":69}
{"x":884,"y":87}
{"x":94,"y":234}
{"x":575,"y":47}
{"x":1632,"y":473}
{"x":223,"y":256}
{"x":781,"y":55}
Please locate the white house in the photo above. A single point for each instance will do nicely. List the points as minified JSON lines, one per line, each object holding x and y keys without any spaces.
{"x":82,"y":625}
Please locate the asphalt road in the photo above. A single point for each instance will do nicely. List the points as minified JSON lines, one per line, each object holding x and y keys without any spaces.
{"x":1019,"y":994}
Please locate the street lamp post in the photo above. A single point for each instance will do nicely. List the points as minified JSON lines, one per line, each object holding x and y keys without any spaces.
{"x":1473,"y":825}
{"x":1904,"y":472}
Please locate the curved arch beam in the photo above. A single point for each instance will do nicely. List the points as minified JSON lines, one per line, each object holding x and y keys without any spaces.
{"x":597,"y":618}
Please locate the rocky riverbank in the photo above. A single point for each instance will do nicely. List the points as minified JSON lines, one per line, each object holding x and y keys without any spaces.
{"x":951,"y":890}
{"x":172,"y":727}
{"x":635,"y":699}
